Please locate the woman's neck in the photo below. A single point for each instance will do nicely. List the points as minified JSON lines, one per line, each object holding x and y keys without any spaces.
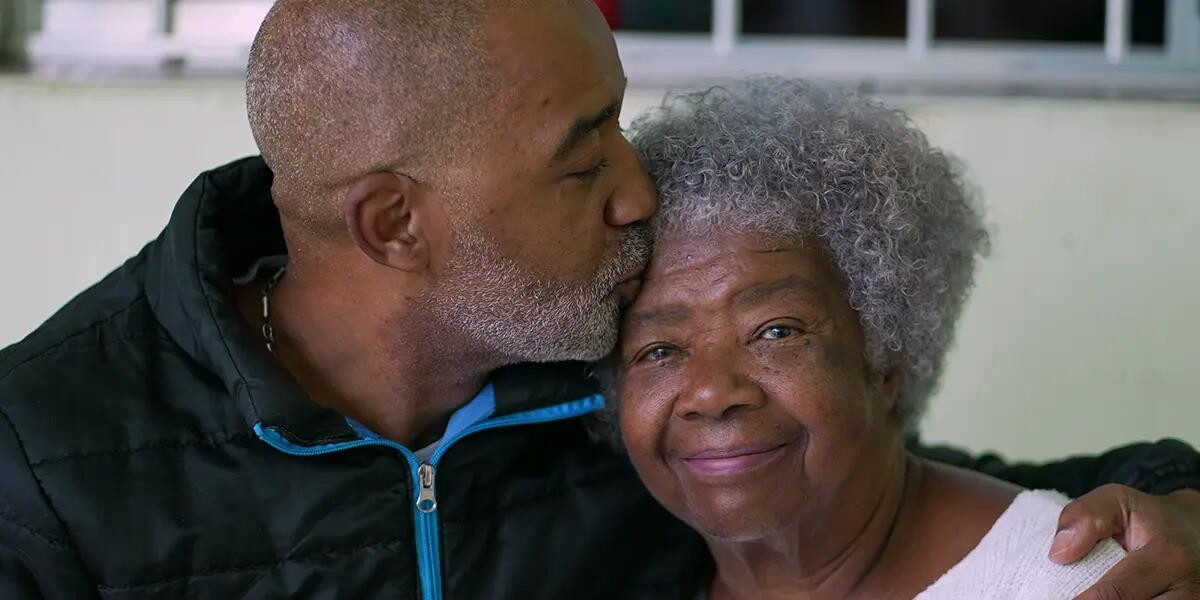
{"x":819,"y":561}
{"x":923,"y":522}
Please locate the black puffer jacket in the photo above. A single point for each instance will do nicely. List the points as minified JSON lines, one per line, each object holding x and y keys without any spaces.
{"x":151,"y":448}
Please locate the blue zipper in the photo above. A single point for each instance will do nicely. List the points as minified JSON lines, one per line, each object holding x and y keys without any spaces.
{"x":425,"y":522}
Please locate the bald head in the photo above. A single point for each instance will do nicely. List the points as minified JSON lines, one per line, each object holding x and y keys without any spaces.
{"x":464,"y":161}
{"x":338,"y":89}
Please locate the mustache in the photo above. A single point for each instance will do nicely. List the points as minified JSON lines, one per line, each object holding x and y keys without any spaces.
{"x":634,"y":249}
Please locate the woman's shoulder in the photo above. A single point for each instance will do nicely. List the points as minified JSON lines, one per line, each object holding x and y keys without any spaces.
{"x":959,"y":508}
{"x":1011,"y":561}
{"x":969,"y":490}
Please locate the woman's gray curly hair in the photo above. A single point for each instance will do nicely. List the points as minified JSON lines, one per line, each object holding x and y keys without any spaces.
{"x":791,"y":161}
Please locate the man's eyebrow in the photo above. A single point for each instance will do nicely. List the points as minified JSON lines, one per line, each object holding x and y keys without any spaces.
{"x":582,"y":128}
{"x":791,"y":283}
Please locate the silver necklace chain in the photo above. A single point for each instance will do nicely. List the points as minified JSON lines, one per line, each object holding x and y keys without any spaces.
{"x":268,"y":332}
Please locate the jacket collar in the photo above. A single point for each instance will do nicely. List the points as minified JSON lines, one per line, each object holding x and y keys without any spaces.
{"x":222,"y":224}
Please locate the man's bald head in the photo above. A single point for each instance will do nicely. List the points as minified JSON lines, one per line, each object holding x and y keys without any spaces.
{"x":470,"y":150}
{"x":338,"y":89}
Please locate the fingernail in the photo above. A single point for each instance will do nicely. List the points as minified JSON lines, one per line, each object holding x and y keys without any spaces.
{"x":1062,"y":540}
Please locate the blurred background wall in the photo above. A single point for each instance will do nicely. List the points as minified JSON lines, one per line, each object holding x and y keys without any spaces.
{"x":1080,"y":334}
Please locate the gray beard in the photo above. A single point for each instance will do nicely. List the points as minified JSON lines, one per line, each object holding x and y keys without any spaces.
{"x":519,"y":316}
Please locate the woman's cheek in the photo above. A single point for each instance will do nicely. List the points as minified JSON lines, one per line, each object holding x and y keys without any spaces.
{"x":811,"y":382}
{"x":645,"y":405}
{"x":786,"y":361}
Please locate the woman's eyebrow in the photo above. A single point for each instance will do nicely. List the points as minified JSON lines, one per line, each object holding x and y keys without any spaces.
{"x":670,"y":313}
{"x":791,"y":283}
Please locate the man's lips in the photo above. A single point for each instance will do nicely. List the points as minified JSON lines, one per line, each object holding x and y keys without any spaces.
{"x":731,"y":460}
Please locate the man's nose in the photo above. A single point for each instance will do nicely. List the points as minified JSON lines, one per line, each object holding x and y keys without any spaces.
{"x":716,"y":388}
{"x":634,"y":198}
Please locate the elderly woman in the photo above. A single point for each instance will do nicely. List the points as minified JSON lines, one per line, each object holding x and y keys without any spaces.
{"x":813,"y":252}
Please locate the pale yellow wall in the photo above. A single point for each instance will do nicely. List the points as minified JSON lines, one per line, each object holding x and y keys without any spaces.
{"x":1083,"y":329}
{"x":1079,"y":336}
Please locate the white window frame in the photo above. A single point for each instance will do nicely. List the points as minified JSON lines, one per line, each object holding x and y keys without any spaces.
{"x":213,"y":36}
{"x":921,"y":63}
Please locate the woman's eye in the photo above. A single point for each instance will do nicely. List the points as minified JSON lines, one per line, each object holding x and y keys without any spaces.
{"x":777,"y":332}
{"x":656,"y":353}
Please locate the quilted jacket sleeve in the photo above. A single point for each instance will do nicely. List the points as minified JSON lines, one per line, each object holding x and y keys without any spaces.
{"x":1155,"y":468}
{"x":36,"y":558}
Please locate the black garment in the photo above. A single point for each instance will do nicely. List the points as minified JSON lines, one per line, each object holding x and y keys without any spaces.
{"x":1158,"y":468}
{"x":131,"y":463}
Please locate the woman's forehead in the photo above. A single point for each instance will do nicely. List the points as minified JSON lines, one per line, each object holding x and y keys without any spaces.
{"x":697,"y":269}
{"x":721,"y":254}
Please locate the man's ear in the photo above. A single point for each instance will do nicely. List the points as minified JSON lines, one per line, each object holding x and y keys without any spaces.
{"x":385,"y":215}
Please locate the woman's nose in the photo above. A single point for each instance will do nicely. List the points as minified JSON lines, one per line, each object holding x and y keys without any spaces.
{"x":716,"y":389}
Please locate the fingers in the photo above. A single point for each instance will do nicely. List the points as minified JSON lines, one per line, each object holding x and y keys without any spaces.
{"x":1095,"y":516}
{"x":1161,"y":534}
{"x":1136,"y":577}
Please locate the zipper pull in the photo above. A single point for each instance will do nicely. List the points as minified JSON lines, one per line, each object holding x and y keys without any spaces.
{"x":426,"y":501}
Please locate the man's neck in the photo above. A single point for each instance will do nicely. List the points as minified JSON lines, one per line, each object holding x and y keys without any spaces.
{"x":389,"y":372}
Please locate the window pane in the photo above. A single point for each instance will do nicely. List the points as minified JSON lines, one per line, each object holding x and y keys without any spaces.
{"x":658,"y":15}
{"x":1058,"y":21}
{"x":873,"y":18}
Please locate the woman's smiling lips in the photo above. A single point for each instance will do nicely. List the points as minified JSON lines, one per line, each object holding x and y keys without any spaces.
{"x":732,"y":460}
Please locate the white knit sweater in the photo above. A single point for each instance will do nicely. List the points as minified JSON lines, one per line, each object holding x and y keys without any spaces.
{"x":1011,"y":563}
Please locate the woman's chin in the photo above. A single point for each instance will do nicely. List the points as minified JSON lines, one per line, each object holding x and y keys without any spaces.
{"x":738,"y":529}
{"x":739,"y":520}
